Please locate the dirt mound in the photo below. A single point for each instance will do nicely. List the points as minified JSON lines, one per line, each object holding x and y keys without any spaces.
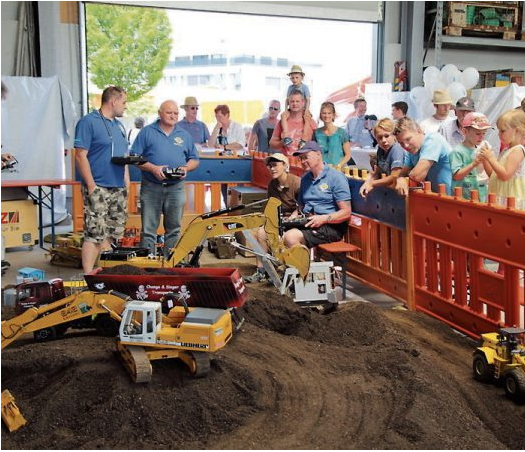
{"x":357,"y":378}
{"x":351,"y":324}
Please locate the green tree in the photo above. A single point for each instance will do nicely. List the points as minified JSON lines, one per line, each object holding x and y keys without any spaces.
{"x":127,"y":46}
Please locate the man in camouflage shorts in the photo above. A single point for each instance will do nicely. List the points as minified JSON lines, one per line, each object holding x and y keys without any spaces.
{"x":105,"y":213}
{"x":99,"y":136}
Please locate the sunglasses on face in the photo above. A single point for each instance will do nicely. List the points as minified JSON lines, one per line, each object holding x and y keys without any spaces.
{"x":194,"y":108}
{"x":274,"y":108}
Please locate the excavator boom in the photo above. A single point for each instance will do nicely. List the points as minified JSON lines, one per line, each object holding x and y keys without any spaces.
{"x":212,"y":225}
{"x":74,"y":307}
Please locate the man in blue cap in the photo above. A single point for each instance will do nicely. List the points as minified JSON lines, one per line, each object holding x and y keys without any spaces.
{"x":324,"y":197}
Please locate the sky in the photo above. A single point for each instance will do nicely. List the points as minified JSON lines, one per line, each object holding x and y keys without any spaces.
{"x":343,"y":48}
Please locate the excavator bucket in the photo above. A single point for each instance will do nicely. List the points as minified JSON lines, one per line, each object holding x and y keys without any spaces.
{"x":11,"y":415}
{"x":297,"y":256}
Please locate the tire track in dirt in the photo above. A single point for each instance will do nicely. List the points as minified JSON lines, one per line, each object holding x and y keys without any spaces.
{"x":306,"y":399}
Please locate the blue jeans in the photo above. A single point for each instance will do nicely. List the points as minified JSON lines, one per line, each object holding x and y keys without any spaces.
{"x":157,"y":199}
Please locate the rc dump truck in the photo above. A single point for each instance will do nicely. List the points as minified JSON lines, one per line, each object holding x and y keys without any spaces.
{"x":502,"y":358}
{"x":36,"y":294}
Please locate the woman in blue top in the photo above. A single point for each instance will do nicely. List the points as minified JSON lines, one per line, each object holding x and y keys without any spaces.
{"x":334,"y":140}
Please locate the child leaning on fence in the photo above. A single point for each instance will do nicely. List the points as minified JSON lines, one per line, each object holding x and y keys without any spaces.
{"x":466,"y":163}
{"x":507,"y":172}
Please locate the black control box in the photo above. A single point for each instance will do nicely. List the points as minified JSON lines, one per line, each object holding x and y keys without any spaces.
{"x":132,"y":159}
{"x":173,"y":173}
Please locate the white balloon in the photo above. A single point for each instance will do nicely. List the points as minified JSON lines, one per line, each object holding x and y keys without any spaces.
{"x":450,"y":73}
{"x":418,"y":94}
{"x":456,"y":90}
{"x":439,"y":84}
{"x":429,"y":109}
{"x":431,"y":75}
{"x":470,"y":77}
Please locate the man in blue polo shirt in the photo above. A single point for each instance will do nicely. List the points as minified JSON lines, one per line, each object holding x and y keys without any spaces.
{"x":197,"y":129}
{"x":360,"y":127}
{"x":164,"y":144}
{"x":426,"y":158}
{"x":324,"y":197}
{"x":99,"y":136}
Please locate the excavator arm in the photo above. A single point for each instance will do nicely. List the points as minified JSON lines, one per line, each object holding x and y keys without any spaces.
{"x":202,"y":228}
{"x":76,"y":306}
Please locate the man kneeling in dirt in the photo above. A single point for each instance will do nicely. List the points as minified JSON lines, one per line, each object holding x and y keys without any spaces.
{"x":324,"y":198}
{"x":285,"y":187}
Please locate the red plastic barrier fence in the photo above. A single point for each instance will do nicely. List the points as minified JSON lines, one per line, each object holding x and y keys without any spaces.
{"x":468,"y":261}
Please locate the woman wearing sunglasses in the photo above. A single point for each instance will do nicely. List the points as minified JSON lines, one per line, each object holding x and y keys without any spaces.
{"x":390,"y":156}
{"x":333,"y":140}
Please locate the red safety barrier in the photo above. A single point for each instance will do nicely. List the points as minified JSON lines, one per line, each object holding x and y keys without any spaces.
{"x":453,"y":240}
{"x":439,"y":264}
{"x":381,"y":264}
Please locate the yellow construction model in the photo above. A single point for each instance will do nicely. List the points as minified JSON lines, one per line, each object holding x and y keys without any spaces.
{"x":214,"y":224}
{"x":501,"y":357}
{"x":145,"y":334}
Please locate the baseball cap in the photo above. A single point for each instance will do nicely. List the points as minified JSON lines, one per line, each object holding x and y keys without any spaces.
{"x":308,"y":146}
{"x":476,"y":120}
{"x":465,"y":103}
{"x":277,"y":157}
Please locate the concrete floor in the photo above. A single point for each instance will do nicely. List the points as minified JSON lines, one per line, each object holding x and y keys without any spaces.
{"x":39,"y":258}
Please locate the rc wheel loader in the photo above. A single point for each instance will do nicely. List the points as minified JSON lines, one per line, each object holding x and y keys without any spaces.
{"x":502,"y":358}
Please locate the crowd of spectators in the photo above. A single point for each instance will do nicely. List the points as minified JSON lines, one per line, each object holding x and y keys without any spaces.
{"x":445,"y":150}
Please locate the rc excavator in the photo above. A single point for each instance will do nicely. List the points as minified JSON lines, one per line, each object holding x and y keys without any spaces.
{"x":310,"y":283}
{"x":217,"y":223}
{"x":145,"y":334}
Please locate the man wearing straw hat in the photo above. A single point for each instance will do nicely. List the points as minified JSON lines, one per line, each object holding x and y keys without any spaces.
{"x":442,"y":103}
{"x":197,"y":129}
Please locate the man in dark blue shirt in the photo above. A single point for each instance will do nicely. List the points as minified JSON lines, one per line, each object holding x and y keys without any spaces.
{"x":99,"y":136}
{"x":164,"y":144}
{"x":324,"y":197}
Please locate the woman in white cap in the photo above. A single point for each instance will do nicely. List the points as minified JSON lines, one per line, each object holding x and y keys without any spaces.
{"x":285,"y":187}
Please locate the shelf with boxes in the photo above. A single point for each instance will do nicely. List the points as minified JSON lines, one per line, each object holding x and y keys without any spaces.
{"x":502,"y":77}
{"x":502,"y":20}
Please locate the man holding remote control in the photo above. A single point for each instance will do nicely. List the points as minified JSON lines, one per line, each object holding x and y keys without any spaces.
{"x":99,"y":136}
{"x":170,"y":153}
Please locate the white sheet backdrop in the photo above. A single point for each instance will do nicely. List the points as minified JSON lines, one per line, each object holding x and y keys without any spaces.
{"x":38,"y":119}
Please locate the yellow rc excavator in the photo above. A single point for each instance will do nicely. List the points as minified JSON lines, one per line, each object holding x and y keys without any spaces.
{"x":217,"y":223}
{"x":145,"y":334}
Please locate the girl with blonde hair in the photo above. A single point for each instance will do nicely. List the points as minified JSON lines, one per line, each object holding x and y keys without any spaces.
{"x":507,"y":172}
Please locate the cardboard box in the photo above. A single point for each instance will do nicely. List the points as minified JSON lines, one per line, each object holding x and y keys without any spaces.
{"x":19,"y":223}
{"x":247,"y":195}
